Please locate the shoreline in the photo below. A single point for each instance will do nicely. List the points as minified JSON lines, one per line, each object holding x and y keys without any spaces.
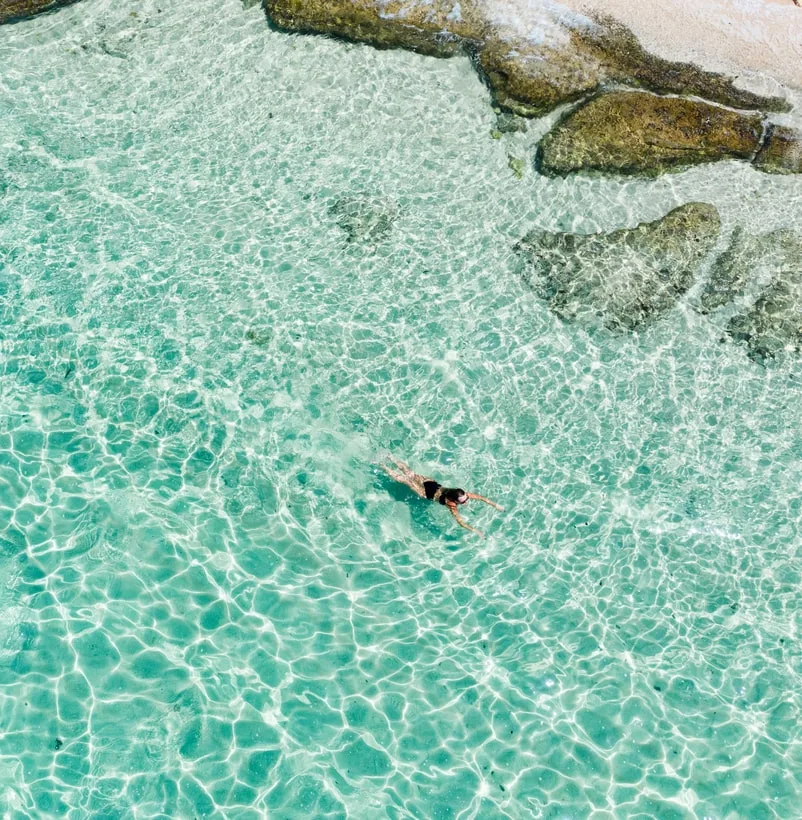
{"x":754,"y":40}
{"x":537,"y":57}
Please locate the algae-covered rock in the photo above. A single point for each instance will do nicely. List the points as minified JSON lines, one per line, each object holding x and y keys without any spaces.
{"x":533,"y":79}
{"x":774,"y":322}
{"x":517,"y":165}
{"x":781,"y":152}
{"x":749,"y":259}
{"x":729,"y":274}
{"x":622,"y":278}
{"x":624,"y":60}
{"x":507,"y":123}
{"x":527,"y":75}
{"x":631,"y":132}
{"x":11,"y":10}
{"x":366,"y":220}
{"x":437,"y":27}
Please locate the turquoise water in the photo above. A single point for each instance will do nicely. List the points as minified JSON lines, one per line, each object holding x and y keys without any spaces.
{"x":214,"y":604}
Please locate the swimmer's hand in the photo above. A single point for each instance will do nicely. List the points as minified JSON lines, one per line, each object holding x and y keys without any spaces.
{"x":476,"y":497}
{"x":462,"y":523}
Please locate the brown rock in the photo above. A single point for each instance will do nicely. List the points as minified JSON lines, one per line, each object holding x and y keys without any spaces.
{"x":439,"y":28}
{"x":533,"y":80}
{"x":781,"y":152}
{"x":638,"y":133}
{"x":11,"y":10}
{"x":624,"y":60}
{"x":526,"y":77}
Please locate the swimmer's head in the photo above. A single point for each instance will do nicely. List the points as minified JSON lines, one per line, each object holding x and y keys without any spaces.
{"x":456,"y":495}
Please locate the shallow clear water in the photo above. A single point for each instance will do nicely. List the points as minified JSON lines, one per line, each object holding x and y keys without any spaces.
{"x":214,"y":605}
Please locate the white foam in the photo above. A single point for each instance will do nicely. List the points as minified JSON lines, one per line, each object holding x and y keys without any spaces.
{"x":541,"y":22}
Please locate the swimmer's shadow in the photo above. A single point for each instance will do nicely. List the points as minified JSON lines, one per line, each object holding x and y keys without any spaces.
{"x":421,"y":512}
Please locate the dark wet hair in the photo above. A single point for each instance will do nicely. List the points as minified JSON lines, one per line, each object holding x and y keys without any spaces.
{"x":454,"y":494}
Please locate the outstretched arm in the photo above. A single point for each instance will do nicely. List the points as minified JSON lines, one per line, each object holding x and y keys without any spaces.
{"x":462,"y":523}
{"x":476,"y":497}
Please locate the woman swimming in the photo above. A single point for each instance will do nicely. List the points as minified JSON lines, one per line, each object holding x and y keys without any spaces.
{"x":451,"y":497}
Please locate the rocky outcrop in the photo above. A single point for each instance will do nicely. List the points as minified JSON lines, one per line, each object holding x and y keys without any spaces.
{"x":769,"y":265}
{"x":630,"y":132}
{"x":774,"y":322}
{"x":527,"y":75}
{"x":440,"y":27}
{"x":532,"y":80}
{"x":624,"y":278}
{"x":781,"y":152}
{"x":750,"y":261}
{"x":623,"y":59}
{"x":572,"y":58}
{"x":12,"y":10}
{"x":730,"y":272}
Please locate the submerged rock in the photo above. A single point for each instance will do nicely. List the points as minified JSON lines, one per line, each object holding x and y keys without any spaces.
{"x":781,"y":152}
{"x":438,"y":27}
{"x":774,"y":322}
{"x":729,"y":273}
{"x":11,"y":10}
{"x":517,"y":165}
{"x":508,"y":123}
{"x":631,"y":132}
{"x":749,"y":259}
{"x":364,"y":219}
{"x":622,"y":278}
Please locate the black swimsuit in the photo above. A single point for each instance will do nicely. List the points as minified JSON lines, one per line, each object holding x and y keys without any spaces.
{"x":430,"y":488}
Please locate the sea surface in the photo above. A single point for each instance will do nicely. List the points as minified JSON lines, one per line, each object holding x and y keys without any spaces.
{"x":237,"y":269}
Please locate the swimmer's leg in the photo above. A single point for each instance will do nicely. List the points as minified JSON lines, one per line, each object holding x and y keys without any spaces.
{"x":393,"y":474}
{"x":402,"y":466}
{"x":402,"y":479}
